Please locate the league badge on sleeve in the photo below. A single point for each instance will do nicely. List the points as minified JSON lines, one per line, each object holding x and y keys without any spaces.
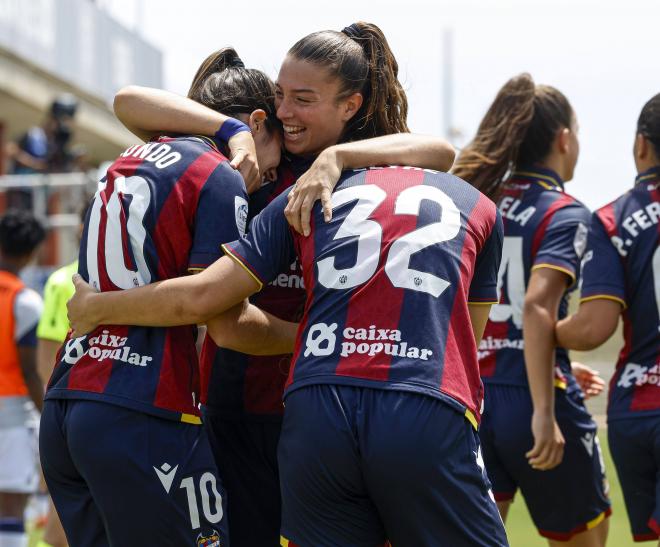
{"x":241,"y":212}
{"x":580,"y":240}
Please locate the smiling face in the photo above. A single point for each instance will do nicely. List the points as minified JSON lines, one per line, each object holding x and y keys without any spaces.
{"x":309,"y":107}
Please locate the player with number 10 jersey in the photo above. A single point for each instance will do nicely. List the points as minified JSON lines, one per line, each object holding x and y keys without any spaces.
{"x":162,"y":209}
{"x":123,"y":451}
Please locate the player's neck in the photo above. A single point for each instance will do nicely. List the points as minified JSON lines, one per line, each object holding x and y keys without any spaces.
{"x":11,"y":266}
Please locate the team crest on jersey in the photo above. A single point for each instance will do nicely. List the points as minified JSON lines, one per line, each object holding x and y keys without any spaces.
{"x":212,"y":540}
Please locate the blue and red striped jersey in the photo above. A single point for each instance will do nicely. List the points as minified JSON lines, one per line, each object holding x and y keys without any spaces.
{"x":162,"y":210}
{"x":236,"y":385}
{"x":388,"y":282}
{"x":543,"y":228}
{"x":623,"y":263}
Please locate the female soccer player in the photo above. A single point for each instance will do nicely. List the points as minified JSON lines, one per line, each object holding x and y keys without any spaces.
{"x":123,"y":454}
{"x":524,"y":151}
{"x":622,"y":277}
{"x":327,"y":92}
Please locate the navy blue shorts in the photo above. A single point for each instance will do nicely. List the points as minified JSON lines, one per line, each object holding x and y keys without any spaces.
{"x":359,"y":466}
{"x":246,"y":454}
{"x":563,"y":501}
{"x":635,"y":447}
{"x":120,"y":477}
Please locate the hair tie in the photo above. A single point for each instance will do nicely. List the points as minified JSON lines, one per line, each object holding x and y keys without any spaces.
{"x":352,"y":31}
{"x":236,"y":62}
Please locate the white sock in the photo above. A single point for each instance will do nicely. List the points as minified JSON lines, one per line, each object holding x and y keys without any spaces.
{"x":12,"y":533}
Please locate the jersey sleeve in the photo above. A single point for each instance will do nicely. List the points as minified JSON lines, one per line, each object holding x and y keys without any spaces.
{"x":564,"y":242}
{"x":483,"y":288}
{"x":603,"y":274}
{"x":221,"y":216}
{"x":269,"y":247}
{"x":54,"y":323}
{"x":27,"y":310}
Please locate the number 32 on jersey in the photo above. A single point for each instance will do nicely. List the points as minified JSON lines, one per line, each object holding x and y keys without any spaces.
{"x":370,"y":234}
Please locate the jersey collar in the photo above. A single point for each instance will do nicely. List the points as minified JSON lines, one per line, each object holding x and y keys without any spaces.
{"x":650,"y":175}
{"x":542,"y":176}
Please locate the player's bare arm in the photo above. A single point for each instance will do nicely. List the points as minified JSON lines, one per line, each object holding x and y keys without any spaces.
{"x":544,"y":292}
{"x":478,"y":318}
{"x":28,"y":359}
{"x":186,"y":300}
{"x":321,"y":178}
{"x":592,"y":325}
{"x":47,"y":356}
{"x":147,"y":112}
{"x":248,"y":329}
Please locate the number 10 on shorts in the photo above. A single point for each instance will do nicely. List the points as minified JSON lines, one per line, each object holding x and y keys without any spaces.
{"x":212,"y":510}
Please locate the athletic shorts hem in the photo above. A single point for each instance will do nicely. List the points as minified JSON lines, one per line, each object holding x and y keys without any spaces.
{"x":565,"y":536}
{"x":655,"y":526}
{"x":284,"y":542}
{"x":645,"y":537}
{"x":504,"y":496}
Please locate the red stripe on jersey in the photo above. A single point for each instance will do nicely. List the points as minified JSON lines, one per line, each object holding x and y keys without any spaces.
{"x":178,"y":367}
{"x":171,"y":242}
{"x":607,"y":216}
{"x":264,"y":381}
{"x":91,"y":373}
{"x":498,"y":331}
{"x":561,"y":201}
{"x":461,"y":369}
{"x":306,"y":254}
{"x":385,"y":309}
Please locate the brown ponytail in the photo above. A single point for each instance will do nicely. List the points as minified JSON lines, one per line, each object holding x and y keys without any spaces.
{"x":517,"y":130}
{"x":224,"y":84}
{"x":362,"y":60}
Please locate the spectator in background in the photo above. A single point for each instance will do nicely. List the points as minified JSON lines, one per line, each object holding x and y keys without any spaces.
{"x":21,"y":388}
{"x":43,"y":149}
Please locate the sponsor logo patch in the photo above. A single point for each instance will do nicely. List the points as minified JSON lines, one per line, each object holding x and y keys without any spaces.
{"x":372,"y":340}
